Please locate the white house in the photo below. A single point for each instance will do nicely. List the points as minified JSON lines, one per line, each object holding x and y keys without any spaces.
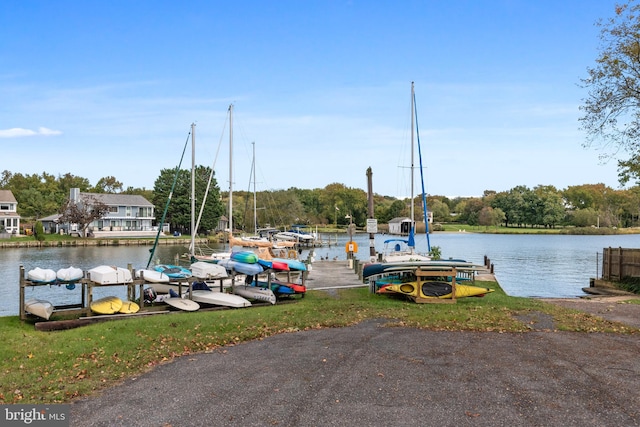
{"x":128,"y":216}
{"x":9,"y":218}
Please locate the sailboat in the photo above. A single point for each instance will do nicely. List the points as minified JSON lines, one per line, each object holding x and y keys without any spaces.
{"x":403,"y":250}
{"x":216,"y":256}
{"x":204,"y":294}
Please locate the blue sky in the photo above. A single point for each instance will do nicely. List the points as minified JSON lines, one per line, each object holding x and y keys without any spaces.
{"x":322,"y":87}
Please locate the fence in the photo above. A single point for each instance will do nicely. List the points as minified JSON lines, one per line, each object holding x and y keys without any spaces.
{"x":618,"y":263}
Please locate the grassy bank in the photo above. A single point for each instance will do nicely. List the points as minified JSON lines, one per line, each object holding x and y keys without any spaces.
{"x":49,"y":367}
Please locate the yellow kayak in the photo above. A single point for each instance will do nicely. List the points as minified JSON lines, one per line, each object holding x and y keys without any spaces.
{"x":433,"y":289}
{"x":106,"y":305}
{"x":129,"y":307}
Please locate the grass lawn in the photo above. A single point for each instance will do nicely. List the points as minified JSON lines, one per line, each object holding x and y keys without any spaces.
{"x":55,"y":367}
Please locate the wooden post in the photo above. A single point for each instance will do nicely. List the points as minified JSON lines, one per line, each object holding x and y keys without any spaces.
{"x":23,"y":315}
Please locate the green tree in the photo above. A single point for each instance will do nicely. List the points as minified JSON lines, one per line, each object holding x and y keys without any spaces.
{"x":179,"y":210}
{"x":68,"y":181}
{"x":585,"y":218}
{"x":611,"y":117}
{"x":33,"y":203}
{"x":108,"y":184}
{"x":38,"y":231}
{"x":490,"y":217}
{"x":551,"y":207}
{"x":440,"y":210}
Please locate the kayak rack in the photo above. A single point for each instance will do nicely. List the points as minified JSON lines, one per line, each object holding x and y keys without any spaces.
{"x":437,"y":273}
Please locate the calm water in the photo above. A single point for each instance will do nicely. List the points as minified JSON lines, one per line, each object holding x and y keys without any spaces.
{"x":525,"y":265}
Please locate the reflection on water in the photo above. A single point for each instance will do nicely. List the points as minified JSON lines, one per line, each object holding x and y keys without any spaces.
{"x":525,"y":265}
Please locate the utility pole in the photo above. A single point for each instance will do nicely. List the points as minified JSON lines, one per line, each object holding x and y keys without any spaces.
{"x":372,"y":224}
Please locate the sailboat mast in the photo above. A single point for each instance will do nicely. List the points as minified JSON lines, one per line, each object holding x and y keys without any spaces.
{"x":255,"y":208}
{"x":231,"y":168}
{"x":193,"y":188}
{"x":412,"y":155}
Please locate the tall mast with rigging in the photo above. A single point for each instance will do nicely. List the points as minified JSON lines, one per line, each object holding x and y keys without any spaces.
{"x":230,"y":169}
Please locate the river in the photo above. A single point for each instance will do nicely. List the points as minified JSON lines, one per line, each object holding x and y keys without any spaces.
{"x":526,"y":265}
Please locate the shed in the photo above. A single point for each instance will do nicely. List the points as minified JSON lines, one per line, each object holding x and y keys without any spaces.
{"x":400,"y":225}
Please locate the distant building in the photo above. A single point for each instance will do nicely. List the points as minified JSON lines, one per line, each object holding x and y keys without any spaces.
{"x":50,"y":224}
{"x":9,"y":218}
{"x":400,"y":225}
{"x":129,"y":216}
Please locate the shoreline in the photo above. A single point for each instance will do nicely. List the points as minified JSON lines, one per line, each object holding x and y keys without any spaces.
{"x":98,"y":242}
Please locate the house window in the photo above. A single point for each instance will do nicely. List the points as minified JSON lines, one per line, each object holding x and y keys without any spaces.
{"x":113,"y":209}
{"x":128,"y":210}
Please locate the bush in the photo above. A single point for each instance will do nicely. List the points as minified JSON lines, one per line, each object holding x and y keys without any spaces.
{"x":39,"y":231}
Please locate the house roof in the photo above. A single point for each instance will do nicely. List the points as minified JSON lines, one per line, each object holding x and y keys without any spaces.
{"x":119,"y":199}
{"x":53,"y":218}
{"x":9,"y":215}
{"x":7,"y":196}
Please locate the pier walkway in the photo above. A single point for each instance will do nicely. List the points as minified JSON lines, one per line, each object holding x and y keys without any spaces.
{"x":331,"y":275}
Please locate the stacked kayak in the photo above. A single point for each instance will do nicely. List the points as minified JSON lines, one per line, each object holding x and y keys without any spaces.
{"x":242,"y":262}
{"x":433,"y":289}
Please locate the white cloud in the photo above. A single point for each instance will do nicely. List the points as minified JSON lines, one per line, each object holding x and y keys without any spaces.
{"x":20,"y":132}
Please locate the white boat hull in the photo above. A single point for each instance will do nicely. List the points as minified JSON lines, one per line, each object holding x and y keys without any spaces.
{"x":255,"y":292}
{"x":219,"y":298}
{"x":207,"y":270}
{"x":107,"y":275}
{"x":71,"y":274}
{"x":41,"y":275}
{"x":152,"y":276}
{"x":38,"y":307}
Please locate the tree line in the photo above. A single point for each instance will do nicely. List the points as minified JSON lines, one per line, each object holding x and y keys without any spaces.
{"x":587,"y":205}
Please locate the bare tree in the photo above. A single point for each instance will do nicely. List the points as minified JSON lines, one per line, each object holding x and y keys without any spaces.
{"x":83,"y":212}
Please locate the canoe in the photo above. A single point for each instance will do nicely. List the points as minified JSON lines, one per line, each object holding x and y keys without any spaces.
{"x":42,"y":275}
{"x":247,"y":257}
{"x":106,"y":305}
{"x":39,"y":307}
{"x":255,"y":292}
{"x":152,"y":276}
{"x":71,"y":274}
{"x":129,"y":307}
{"x":241,"y":267}
{"x":173,"y":271}
{"x":434,"y":289}
{"x":107,"y":275}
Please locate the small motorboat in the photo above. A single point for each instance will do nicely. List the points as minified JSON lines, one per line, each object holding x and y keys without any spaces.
{"x":42,"y":275}
{"x":69,"y":275}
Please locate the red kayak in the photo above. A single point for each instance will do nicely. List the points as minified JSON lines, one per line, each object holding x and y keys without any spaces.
{"x":298,"y":289}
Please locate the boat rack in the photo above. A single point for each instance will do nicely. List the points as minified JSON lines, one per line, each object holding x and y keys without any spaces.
{"x":86,"y":286}
{"x":420,"y":273}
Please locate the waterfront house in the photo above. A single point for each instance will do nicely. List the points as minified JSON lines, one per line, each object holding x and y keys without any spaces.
{"x":9,"y":218}
{"x":129,"y":215}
